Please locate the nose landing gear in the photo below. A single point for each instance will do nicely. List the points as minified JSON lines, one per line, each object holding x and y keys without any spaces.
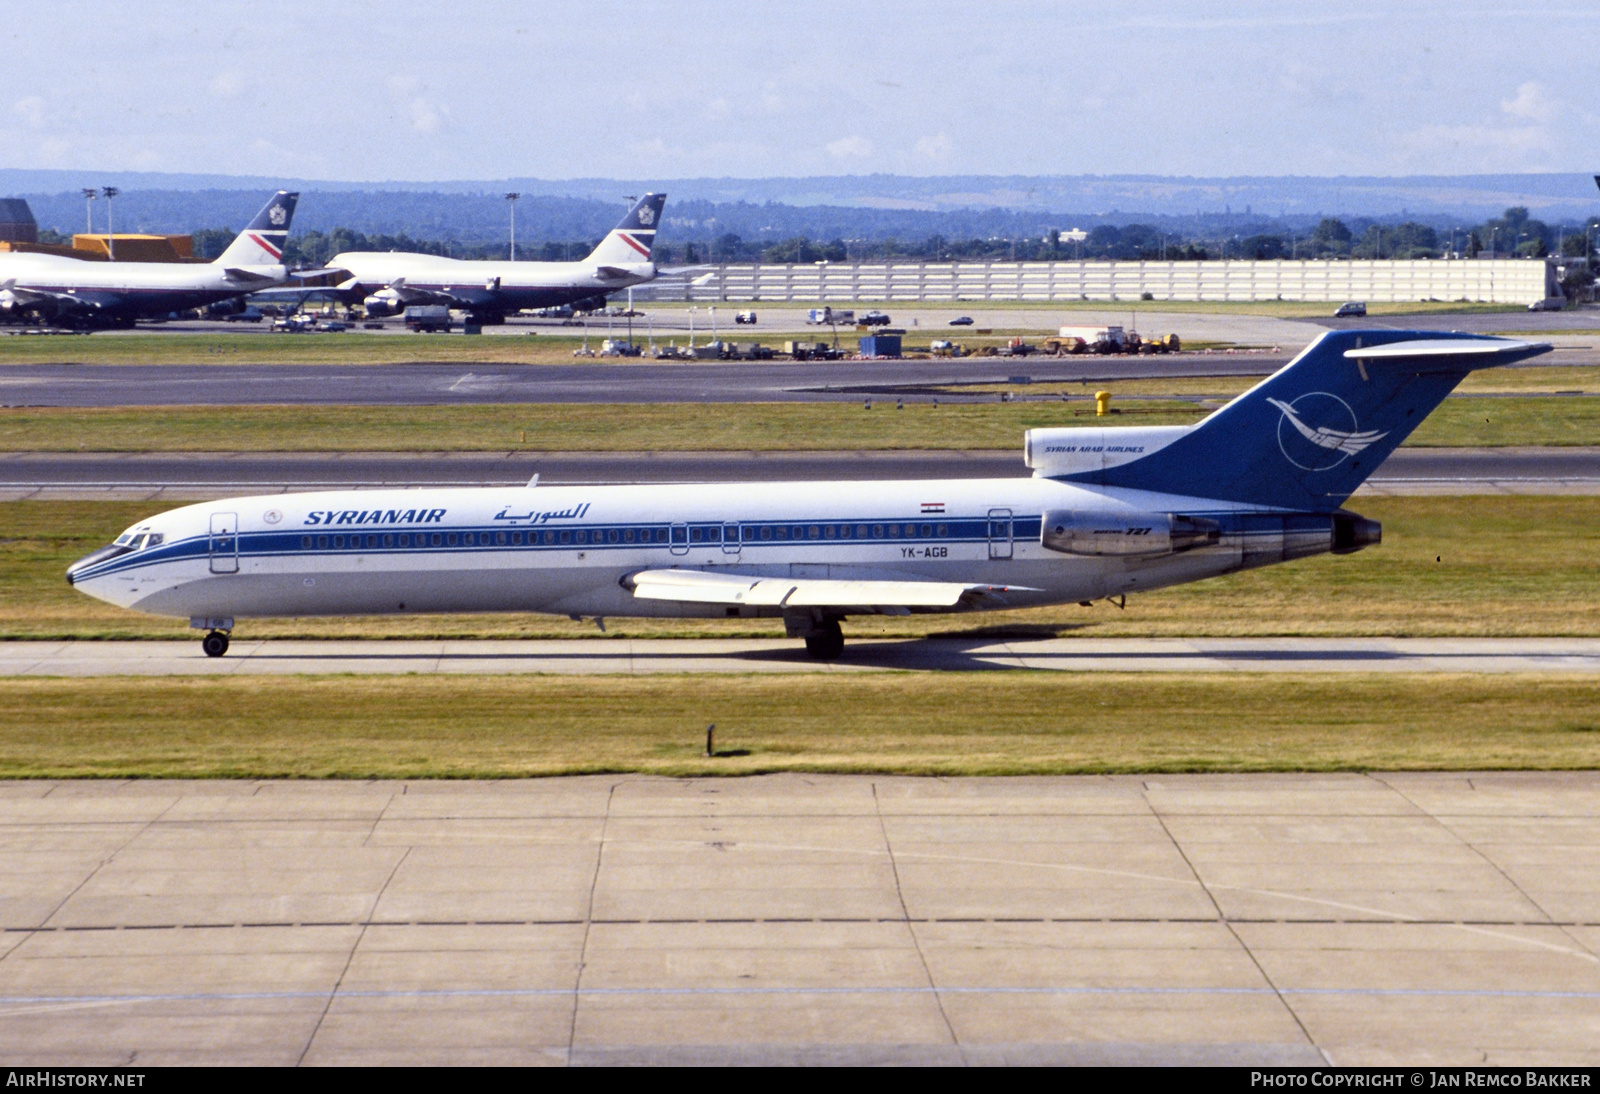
{"x":215,"y":644}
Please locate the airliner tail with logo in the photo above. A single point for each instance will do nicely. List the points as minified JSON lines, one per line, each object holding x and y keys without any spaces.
{"x":1109,"y":512}
{"x":74,"y":292}
{"x":388,"y":282}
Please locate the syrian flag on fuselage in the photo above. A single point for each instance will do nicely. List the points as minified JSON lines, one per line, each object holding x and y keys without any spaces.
{"x":261,"y":242}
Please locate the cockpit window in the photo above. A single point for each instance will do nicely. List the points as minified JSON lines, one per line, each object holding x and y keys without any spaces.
{"x":125,"y":539}
{"x":154,"y":540}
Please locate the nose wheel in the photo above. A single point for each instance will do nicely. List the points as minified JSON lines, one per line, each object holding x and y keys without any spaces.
{"x":215,"y":644}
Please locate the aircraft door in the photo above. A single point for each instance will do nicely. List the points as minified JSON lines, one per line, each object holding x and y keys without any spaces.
{"x":224,"y":543}
{"x":680,"y":539}
{"x":730,"y":539}
{"x":1000,"y":533}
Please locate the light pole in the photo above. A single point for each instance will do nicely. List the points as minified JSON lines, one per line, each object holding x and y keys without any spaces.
{"x":111,"y":231}
{"x":511,"y":199}
{"x":89,"y":194}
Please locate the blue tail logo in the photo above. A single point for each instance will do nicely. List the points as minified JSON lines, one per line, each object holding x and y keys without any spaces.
{"x":1317,"y":448}
{"x":1307,"y":436}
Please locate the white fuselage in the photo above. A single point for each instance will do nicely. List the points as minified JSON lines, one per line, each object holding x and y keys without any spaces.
{"x":504,"y":285}
{"x":568,"y":549}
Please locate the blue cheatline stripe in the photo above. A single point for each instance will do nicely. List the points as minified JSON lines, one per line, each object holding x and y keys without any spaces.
{"x":797,"y":533}
{"x":534,"y":993}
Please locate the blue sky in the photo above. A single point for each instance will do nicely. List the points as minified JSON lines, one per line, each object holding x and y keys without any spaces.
{"x":370,"y":91}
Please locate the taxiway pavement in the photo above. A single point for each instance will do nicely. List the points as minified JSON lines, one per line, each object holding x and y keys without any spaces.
{"x":1385,"y":919}
{"x":200,"y":476}
{"x":424,"y":383}
{"x":639,"y":656}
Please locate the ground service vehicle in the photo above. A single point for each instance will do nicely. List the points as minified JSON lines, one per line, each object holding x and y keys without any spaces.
{"x":826,"y":316}
{"x":428,"y":317}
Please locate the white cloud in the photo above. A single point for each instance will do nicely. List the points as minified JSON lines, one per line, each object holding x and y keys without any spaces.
{"x":226,"y":85}
{"x":846,"y":148}
{"x":426,"y":116}
{"x":1477,"y":148}
{"x":1532,"y":102}
{"x":30,"y":110}
{"x":937,"y":147}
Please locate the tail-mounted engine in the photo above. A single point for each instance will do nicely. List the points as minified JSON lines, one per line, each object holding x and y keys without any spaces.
{"x":1074,"y":532}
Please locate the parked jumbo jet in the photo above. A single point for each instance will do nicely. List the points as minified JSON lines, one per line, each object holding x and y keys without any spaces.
{"x":1108,"y":512}
{"x":390,"y":281}
{"x":78,"y":293}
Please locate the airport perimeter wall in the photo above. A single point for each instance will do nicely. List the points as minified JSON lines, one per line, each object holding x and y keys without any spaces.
{"x":1499,"y":281}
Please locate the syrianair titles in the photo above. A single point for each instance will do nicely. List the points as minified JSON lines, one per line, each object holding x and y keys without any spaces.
{"x":388,"y":282}
{"x":74,"y":292}
{"x":1108,"y":512}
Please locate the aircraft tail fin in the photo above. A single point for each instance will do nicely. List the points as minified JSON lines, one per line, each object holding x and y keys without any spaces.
{"x":261,"y":242}
{"x":1307,"y":436}
{"x":631,"y":241}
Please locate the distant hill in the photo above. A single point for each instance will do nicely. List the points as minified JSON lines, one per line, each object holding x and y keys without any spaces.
{"x":846,"y":206}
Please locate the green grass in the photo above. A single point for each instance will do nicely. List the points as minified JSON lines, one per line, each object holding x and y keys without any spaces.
{"x":737,"y":427}
{"x":1448,"y":566}
{"x":1019,"y":723}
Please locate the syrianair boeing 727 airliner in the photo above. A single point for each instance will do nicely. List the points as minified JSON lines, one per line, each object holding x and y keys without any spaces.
{"x":1108,"y":512}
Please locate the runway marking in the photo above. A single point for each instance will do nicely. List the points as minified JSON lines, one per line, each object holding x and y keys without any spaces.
{"x":1392,"y":921}
{"x":1378,"y":914}
{"x":47,"y":1003}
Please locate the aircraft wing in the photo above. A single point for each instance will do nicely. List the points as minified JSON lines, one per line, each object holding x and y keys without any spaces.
{"x":12,"y":294}
{"x":701,"y":587}
{"x":20,"y":295}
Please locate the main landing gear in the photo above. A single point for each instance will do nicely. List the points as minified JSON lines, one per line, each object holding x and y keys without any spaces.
{"x":215,"y":643}
{"x":826,"y":641}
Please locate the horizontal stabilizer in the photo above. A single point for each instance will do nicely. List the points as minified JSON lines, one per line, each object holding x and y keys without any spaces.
{"x":1485,"y":350}
{"x":233,"y":273}
{"x":700,"y":587}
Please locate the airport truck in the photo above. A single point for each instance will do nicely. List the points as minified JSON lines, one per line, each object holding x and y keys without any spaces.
{"x":822,"y":317}
{"x":428,"y":317}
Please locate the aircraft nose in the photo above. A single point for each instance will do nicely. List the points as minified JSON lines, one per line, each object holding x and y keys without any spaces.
{"x":91,"y":559}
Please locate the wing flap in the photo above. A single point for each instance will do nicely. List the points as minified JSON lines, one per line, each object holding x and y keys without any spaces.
{"x":700,"y":587}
